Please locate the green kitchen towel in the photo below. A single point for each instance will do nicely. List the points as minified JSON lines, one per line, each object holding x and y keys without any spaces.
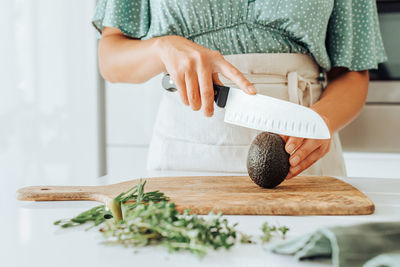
{"x":348,"y":245}
{"x":388,"y":259}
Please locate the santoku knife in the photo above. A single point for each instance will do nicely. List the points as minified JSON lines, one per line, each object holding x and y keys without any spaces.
{"x":265,"y":113}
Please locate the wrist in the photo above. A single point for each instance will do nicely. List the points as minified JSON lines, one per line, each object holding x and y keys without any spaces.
{"x":161,"y":47}
{"x":158,"y":44}
{"x":162,"y":43}
{"x":157,"y":49}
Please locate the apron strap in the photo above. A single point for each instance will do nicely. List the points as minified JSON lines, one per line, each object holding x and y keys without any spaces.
{"x":295,"y":91}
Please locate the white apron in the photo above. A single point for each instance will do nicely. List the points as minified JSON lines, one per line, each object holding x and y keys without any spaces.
{"x":186,"y":140}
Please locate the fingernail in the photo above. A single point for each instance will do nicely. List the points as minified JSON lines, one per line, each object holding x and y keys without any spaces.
{"x":295,"y":170}
{"x":295,"y":161}
{"x":290,"y":148}
{"x":252,"y":89}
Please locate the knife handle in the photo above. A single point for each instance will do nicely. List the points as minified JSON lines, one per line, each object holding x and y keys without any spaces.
{"x":220,"y":92}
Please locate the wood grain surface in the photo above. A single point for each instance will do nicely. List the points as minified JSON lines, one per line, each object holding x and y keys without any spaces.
{"x":304,"y":195}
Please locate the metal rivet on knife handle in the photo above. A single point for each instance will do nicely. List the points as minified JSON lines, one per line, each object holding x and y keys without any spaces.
{"x":167,"y":83}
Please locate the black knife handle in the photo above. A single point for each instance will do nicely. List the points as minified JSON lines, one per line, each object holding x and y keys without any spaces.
{"x":220,"y":92}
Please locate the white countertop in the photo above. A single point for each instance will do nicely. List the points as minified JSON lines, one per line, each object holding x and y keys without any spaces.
{"x":31,"y":239}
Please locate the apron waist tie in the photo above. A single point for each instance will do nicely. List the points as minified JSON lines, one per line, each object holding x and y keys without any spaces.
{"x":297,"y":86}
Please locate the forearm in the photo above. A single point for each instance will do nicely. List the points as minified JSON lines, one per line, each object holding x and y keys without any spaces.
{"x":343,"y":99}
{"x":126,"y":60}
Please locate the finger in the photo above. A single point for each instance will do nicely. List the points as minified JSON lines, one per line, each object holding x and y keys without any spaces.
{"x":206,"y":92}
{"x":233,"y":74}
{"x":289,"y":176}
{"x":192,"y":89}
{"x":307,"y":162}
{"x":293,"y":143}
{"x":284,"y":137}
{"x":181,"y":85}
{"x":301,"y":153}
{"x":216,"y":79}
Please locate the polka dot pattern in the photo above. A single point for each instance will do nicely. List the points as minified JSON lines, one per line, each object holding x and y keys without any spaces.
{"x":334,"y":32}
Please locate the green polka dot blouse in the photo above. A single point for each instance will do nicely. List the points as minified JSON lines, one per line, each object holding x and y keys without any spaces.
{"x":334,"y":32}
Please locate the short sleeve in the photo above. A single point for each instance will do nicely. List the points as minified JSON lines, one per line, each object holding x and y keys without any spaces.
{"x":132,"y":17}
{"x":353,"y":38}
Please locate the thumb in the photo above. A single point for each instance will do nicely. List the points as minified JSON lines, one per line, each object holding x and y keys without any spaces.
{"x":284,"y":137}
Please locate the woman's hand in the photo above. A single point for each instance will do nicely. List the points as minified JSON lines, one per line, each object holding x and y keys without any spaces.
{"x":193,"y":68}
{"x":340,"y":103}
{"x":304,"y":153}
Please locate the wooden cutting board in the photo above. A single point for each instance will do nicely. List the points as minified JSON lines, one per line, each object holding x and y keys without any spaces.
{"x":304,"y":195}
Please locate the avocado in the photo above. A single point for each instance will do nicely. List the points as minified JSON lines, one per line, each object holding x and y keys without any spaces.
{"x":267,"y":160}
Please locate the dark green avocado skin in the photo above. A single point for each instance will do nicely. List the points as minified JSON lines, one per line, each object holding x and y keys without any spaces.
{"x":267,"y":160}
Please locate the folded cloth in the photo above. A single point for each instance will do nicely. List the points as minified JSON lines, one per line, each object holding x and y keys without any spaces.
{"x":348,"y":245}
{"x":388,"y":259}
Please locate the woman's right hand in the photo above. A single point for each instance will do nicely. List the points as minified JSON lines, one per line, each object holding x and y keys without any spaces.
{"x":194,"y":69}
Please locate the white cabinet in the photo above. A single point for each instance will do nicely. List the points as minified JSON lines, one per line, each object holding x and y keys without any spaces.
{"x":376,"y":129}
{"x":131,"y":110}
{"x":127,"y":162}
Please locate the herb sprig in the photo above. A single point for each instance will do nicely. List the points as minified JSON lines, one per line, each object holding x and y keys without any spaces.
{"x":100,"y":214}
{"x":160,"y":223}
{"x":97,"y":215}
{"x":143,"y":219}
{"x":270,"y":231}
{"x":137,"y":193}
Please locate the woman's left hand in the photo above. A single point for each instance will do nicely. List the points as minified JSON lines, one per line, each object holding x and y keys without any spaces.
{"x":340,"y":103}
{"x":304,"y":153}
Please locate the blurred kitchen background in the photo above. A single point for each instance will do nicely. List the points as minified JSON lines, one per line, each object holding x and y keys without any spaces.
{"x":60,"y":123}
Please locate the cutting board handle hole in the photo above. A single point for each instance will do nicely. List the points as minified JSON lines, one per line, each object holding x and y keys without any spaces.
{"x":44,"y":189}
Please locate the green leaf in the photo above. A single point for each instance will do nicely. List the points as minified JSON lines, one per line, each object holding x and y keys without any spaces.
{"x":152,"y":220}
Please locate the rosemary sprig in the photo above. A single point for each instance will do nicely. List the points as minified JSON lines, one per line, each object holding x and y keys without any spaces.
{"x":100,"y":214}
{"x":137,"y":193}
{"x":152,"y":220}
{"x":160,"y":223}
{"x":97,"y":215}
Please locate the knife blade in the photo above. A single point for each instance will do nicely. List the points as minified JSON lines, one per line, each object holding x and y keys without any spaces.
{"x":265,"y":113}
